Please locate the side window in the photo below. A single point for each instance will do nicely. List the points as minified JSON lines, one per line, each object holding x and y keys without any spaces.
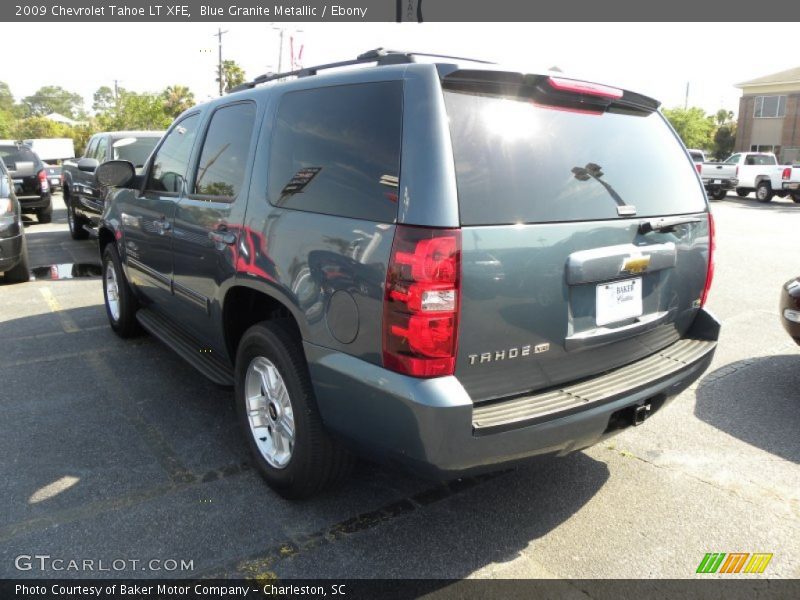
{"x":90,"y":149}
{"x":336,"y":151}
{"x":102,"y":149}
{"x":223,"y":160}
{"x":168,"y":170}
{"x":732,"y":160}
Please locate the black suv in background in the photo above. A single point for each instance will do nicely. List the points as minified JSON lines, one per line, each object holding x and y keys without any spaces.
{"x":13,"y":251}
{"x":30,"y":180}
{"x":445,"y":264}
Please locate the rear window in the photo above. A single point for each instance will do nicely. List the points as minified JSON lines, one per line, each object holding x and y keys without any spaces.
{"x":133,"y":149}
{"x":521,"y":163}
{"x":696,"y":156}
{"x":760,"y":159}
{"x":336,"y":150}
{"x":17,"y":154}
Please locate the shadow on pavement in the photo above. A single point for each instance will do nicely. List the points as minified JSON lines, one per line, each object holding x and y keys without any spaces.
{"x":125,"y":441}
{"x":780,"y":205}
{"x":756,"y":401}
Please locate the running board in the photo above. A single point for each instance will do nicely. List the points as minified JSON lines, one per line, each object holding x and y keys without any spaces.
{"x":201,"y":358}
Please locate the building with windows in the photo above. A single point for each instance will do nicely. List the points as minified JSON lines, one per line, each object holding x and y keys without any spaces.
{"x":769,"y":115}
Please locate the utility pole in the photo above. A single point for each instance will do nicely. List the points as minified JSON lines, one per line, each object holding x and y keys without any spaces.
{"x":116,"y":89}
{"x":219,"y":35}
{"x":686,"y":100}
{"x":280,"y":47}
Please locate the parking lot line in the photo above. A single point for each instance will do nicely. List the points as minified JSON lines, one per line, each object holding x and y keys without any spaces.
{"x":67,"y":323}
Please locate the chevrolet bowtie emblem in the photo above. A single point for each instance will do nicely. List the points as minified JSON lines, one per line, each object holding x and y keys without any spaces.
{"x":636,"y":264}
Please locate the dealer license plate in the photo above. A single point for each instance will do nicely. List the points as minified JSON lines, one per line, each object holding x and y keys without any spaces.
{"x":718,"y":181}
{"x":618,"y":301}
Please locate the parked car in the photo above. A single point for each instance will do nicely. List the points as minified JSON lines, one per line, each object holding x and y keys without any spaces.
{"x":13,"y":250}
{"x":83,"y":196}
{"x":755,"y":171}
{"x":356,"y":325}
{"x":790,"y":308}
{"x":30,"y":180}
{"x":718,"y":178}
{"x":791,"y":182}
{"x":53,"y":176}
{"x":698,"y":156}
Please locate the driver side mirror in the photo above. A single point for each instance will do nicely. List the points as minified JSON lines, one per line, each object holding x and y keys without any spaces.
{"x":89,"y":165}
{"x":115,"y":173}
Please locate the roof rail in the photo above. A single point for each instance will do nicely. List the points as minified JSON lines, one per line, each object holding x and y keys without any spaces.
{"x":380,"y":56}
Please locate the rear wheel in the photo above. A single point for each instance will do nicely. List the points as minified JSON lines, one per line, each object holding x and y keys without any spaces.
{"x":764,"y":191}
{"x":121,"y":304}
{"x":45,"y":215}
{"x":19,"y":273}
{"x":742,"y":192}
{"x":796,"y":197}
{"x":719,"y":194}
{"x":278,"y":412}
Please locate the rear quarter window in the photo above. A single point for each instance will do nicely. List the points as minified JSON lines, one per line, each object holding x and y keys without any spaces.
{"x":336,"y":150}
{"x":517,"y":162}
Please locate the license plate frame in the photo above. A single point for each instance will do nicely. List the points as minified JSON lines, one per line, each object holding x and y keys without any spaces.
{"x":617,"y":301}
{"x":717,"y":181}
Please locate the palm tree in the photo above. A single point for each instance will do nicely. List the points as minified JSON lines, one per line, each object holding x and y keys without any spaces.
{"x":177,"y":98}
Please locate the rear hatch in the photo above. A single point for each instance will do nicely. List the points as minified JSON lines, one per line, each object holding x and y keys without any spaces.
{"x":23,"y":166}
{"x":585,"y":231}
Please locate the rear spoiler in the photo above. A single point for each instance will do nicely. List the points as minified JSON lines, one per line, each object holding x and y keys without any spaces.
{"x":548,"y":90}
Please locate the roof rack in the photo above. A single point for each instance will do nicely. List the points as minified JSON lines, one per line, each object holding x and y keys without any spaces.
{"x":380,"y":56}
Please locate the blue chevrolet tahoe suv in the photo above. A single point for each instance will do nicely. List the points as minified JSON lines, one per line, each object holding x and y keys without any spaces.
{"x":436,"y":262}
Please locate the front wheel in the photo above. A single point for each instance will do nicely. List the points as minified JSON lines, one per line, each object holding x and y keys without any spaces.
{"x":278,"y":413}
{"x":121,"y":304}
{"x":764,"y":191}
{"x":796,"y":197}
{"x":76,"y":230}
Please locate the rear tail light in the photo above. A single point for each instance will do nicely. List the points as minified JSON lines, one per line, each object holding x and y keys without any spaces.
{"x":584,"y":87}
{"x":710,"y":271}
{"x":787,"y":173}
{"x":43,"y":183}
{"x":699,"y":167}
{"x":421,"y":301}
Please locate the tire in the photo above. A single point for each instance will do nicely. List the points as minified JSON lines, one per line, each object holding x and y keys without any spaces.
{"x":121,"y":311}
{"x":743,"y":192}
{"x":796,"y":197}
{"x":19,"y":273}
{"x":764,"y":192}
{"x":45,"y":215}
{"x":76,"y":230}
{"x":293,"y":453}
{"x":719,"y":194}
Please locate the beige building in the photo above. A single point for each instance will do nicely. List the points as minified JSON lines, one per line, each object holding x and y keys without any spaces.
{"x":769,"y":115}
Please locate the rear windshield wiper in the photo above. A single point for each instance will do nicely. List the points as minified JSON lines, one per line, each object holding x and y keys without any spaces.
{"x":666,"y":224}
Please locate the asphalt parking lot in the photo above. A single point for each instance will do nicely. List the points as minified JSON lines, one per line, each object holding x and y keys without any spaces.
{"x":118,"y":450}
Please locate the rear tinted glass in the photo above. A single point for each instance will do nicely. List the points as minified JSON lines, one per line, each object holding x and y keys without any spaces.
{"x":16,"y":154}
{"x":760,"y":159}
{"x":521,"y":163}
{"x":336,"y":151}
{"x":133,"y":149}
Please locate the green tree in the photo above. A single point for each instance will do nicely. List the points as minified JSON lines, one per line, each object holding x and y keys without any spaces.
{"x":177,"y":98}
{"x":52,"y":98}
{"x":40,"y":127}
{"x":6,"y":97}
{"x":724,"y":141}
{"x":135,"y":111}
{"x":694,"y":127}
{"x":232,"y":75}
{"x":103,"y":99}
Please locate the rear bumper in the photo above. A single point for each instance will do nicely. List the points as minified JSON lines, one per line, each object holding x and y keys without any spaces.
{"x":791,"y":186}
{"x":10,"y":252}
{"x":28,"y":203}
{"x":725,"y":184}
{"x":433,"y":426}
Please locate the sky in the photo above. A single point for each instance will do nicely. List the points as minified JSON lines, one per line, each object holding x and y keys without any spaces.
{"x":656,"y":59}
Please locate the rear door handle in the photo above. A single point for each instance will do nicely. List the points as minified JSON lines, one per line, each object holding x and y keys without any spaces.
{"x":222,"y":237}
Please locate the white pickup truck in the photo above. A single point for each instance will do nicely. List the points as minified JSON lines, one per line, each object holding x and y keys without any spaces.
{"x":791,"y":182}
{"x":753,"y":171}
